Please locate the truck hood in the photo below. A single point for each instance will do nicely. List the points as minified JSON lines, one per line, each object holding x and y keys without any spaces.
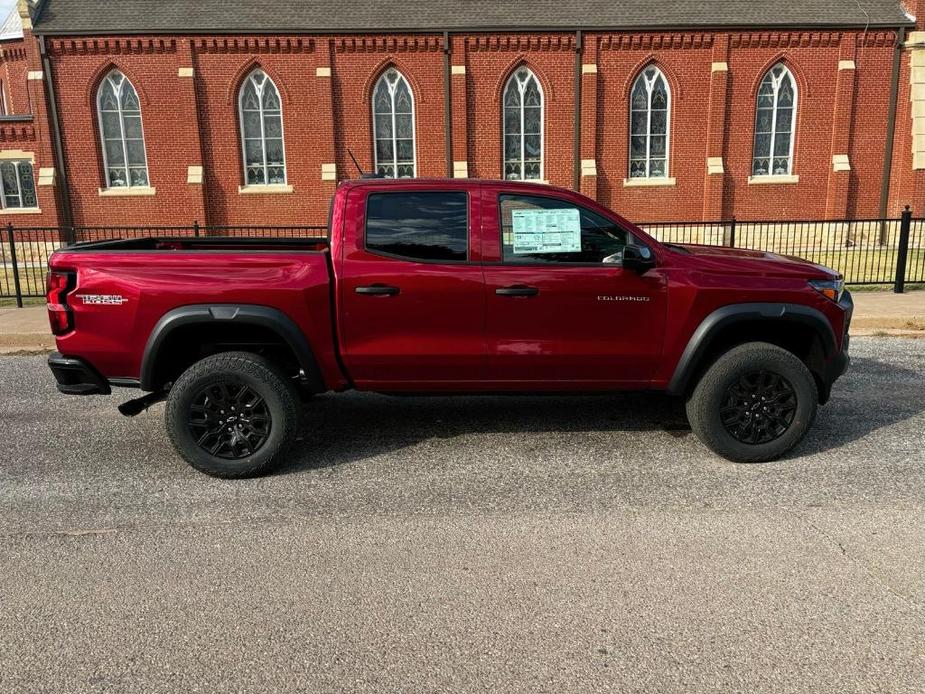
{"x":742,"y":260}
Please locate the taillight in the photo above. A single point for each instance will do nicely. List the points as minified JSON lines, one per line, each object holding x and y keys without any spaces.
{"x":58,"y":284}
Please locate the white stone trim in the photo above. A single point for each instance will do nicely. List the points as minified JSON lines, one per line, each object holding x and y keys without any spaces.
{"x":273,"y":189}
{"x":649,"y":182}
{"x":715,"y":166}
{"x":588,"y":167}
{"x":329,"y":172}
{"x":323,"y":71}
{"x":46,"y":176}
{"x":772,"y":180}
{"x":17,"y":154}
{"x":460,"y":169}
{"x":21,"y":210}
{"x":841,"y":162}
{"x":719,"y":67}
{"x":457,"y":69}
{"x":185,"y":72}
{"x":846,"y":65}
{"x":35,"y":75}
{"x":126,"y":191}
{"x":589,"y":68}
{"x":194,"y":175}
{"x":917,"y":98}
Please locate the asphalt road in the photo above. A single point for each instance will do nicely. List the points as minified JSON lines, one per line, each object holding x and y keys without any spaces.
{"x":474,"y":544}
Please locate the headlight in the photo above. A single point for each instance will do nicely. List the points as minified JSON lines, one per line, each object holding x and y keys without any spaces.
{"x":832,"y":289}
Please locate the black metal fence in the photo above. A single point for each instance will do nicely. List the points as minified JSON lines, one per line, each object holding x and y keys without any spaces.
{"x":869,"y":252}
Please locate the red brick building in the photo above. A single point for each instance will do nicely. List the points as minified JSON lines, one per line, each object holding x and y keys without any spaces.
{"x":233,"y":112}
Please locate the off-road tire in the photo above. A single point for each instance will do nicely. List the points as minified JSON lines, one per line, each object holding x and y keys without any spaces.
{"x":712,"y":395}
{"x":280,"y":405}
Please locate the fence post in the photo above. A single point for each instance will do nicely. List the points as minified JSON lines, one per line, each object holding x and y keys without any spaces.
{"x":732,"y":233}
{"x":196,"y":228}
{"x":16,"y":285}
{"x":902,"y":252}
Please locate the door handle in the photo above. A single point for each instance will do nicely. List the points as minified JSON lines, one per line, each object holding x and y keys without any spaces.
{"x":517,"y":290}
{"x":378,"y":290}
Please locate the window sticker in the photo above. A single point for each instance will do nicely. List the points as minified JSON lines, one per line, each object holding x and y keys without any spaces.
{"x":547,"y":231}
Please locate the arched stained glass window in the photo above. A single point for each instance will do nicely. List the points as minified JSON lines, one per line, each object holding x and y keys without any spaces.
{"x":523,"y":127}
{"x":650,"y":115}
{"x":775,"y":121}
{"x":123,"y":135}
{"x":393,"y":126}
{"x":261,"y":115}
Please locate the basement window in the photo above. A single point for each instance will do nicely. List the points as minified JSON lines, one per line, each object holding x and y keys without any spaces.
{"x":18,"y":182}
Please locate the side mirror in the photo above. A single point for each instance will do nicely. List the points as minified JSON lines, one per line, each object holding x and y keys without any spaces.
{"x":639,"y":259}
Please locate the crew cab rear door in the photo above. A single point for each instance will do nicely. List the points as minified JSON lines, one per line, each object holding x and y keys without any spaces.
{"x":411,"y":290}
{"x":561,"y":311}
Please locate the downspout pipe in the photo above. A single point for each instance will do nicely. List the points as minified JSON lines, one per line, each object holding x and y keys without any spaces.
{"x":64,"y":193}
{"x":576,"y":144}
{"x":447,"y":105}
{"x":891,"y":127}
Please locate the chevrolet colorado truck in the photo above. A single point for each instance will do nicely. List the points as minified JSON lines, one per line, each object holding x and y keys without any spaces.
{"x":446,"y":286}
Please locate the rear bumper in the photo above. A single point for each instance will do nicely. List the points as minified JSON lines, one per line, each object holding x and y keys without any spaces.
{"x":76,"y":376}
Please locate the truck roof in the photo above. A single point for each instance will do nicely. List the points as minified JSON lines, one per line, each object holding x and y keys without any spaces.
{"x":443,"y":183}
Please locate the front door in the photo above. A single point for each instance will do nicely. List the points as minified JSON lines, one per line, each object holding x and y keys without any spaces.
{"x":412,"y":306}
{"x":561,"y":311}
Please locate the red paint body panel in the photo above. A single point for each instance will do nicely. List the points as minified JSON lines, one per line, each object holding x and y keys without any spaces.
{"x":591,"y":327}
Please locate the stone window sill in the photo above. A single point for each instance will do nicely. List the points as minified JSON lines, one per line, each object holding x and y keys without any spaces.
{"x":20,"y":210}
{"x":772,"y":180}
{"x":276,"y":189}
{"x":126,"y":191}
{"x":649,"y":182}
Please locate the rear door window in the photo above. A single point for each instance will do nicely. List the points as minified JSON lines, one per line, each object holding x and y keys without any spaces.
{"x":425,"y":227}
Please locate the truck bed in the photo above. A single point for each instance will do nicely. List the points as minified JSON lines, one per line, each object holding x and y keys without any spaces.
{"x":206,"y":243}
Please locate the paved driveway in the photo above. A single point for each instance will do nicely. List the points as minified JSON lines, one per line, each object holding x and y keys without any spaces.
{"x":475,"y":544}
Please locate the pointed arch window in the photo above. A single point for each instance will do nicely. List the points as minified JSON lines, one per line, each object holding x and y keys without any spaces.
{"x":775,"y":122}
{"x":262,"y":142}
{"x":650,"y":115}
{"x":523,"y":127}
{"x":393,"y":126}
{"x":119,"y":111}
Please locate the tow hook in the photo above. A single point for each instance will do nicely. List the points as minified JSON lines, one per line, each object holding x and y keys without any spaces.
{"x":139,"y":405}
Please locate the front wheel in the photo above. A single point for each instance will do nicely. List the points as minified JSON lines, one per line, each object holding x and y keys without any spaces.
{"x":232,"y":415}
{"x":754,"y":404}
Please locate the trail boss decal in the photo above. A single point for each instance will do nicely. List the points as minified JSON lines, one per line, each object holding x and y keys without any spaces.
{"x":102,"y":299}
{"x":624,"y":298}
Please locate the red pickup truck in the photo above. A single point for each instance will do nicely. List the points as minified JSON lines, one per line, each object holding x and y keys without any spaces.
{"x":446,"y":286}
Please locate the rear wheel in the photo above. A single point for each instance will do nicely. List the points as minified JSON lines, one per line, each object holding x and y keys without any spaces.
{"x":754,"y":404}
{"x":232,"y":415}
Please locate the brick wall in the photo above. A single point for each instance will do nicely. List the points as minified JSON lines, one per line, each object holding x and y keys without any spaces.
{"x":188,"y":90}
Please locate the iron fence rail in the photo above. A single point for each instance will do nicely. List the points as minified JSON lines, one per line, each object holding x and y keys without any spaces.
{"x":865,"y":251}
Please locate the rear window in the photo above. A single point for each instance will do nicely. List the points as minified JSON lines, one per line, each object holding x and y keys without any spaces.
{"x":432,"y":227}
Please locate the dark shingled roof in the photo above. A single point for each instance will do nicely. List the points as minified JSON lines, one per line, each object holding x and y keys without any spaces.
{"x":321,"y":16}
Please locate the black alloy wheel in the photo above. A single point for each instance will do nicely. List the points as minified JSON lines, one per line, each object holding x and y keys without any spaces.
{"x":759,"y":407}
{"x":229,"y":420}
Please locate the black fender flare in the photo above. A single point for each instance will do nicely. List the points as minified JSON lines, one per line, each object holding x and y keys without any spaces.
{"x":239,"y":314}
{"x":723,"y":317}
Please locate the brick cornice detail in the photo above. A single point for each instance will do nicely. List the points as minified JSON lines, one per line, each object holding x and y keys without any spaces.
{"x":785,"y":39}
{"x":254,"y":45}
{"x":112,"y":46}
{"x":388,"y":44}
{"x":554,"y":42}
{"x":17,"y":133}
{"x":646,"y":42}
